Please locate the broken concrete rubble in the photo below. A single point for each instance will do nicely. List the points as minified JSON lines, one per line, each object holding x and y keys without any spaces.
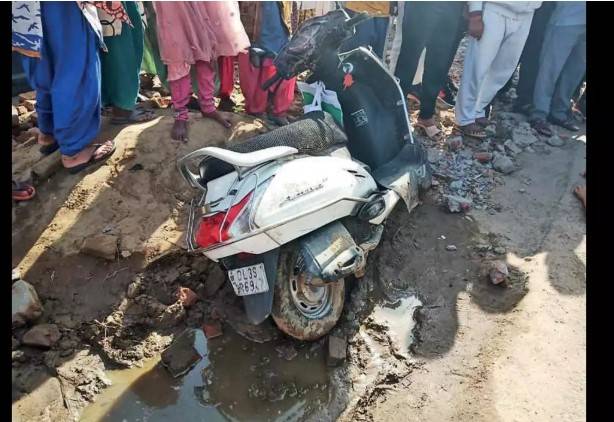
{"x":498,"y":272}
{"x":555,"y":141}
{"x":47,"y":166}
{"x":25,"y":304}
{"x":102,"y":246}
{"x":458,"y":203}
{"x":337,"y":350}
{"x":503,"y":164}
{"x":454,"y":143}
{"x":43,"y":335}
{"x":181,"y":355}
{"x":212,"y":329}
{"x":483,"y":157}
{"x":215,"y":280}
{"x":186,"y":296}
{"x":512,"y":147}
{"x":523,"y":135}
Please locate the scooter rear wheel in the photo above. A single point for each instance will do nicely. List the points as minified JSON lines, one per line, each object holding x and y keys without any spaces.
{"x":304,"y":307}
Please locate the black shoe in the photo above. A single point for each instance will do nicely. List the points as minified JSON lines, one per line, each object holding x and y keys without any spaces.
{"x":541,"y":127}
{"x":566,"y":124}
{"x":226,"y":104}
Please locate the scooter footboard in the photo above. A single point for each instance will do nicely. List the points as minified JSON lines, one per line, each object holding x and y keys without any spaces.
{"x":257,"y":306}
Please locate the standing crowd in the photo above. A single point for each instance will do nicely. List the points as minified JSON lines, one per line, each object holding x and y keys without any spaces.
{"x":81,"y":56}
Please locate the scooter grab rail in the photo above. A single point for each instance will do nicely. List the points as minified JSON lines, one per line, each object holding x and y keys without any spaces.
{"x":240,"y":161}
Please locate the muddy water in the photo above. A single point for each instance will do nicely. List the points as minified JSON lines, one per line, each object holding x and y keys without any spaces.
{"x":235,"y":380}
{"x":240,"y":380}
{"x":398,"y":317}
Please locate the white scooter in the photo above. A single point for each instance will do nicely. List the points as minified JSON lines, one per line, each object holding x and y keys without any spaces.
{"x":293,"y":212}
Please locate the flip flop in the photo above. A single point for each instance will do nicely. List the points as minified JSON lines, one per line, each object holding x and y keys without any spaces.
{"x":23,"y":191}
{"x":137,"y":116}
{"x":92,"y":161}
{"x":431,"y":132}
{"x":49,"y":149}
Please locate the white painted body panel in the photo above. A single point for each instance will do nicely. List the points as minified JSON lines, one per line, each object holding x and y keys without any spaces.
{"x":311,"y":183}
{"x":305,"y":194}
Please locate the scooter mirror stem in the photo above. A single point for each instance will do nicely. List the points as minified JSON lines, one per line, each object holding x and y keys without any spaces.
{"x":352,"y":22}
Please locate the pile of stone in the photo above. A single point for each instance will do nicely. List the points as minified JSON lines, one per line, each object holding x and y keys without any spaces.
{"x":24,"y":121}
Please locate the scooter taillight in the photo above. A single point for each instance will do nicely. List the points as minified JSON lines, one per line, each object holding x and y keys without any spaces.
{"x":215,"y":228}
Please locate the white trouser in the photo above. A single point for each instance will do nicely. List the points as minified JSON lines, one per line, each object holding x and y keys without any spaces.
{"x":394,"y":39}
{"x":490,"y":62}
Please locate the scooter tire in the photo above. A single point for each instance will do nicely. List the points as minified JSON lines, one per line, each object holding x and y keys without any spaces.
{"x":285,"y":312}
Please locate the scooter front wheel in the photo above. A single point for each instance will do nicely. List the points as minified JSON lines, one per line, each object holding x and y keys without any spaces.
{"x":304,"y":306}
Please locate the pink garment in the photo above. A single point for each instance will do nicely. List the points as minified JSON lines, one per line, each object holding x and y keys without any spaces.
{"x":181,"y":90}
{"x":189,"y":32}
{"x":256,"y":99}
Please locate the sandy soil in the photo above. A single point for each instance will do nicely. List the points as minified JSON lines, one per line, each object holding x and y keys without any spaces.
{"x":479,"y":351}
{"x":493,"y":361}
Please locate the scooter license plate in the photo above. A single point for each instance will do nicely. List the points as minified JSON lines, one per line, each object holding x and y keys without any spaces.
{"x":249,"y":280}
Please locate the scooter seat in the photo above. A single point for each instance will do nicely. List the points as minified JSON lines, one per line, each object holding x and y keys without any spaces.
{"x":250,"y":159}
{"x":314,"y":134}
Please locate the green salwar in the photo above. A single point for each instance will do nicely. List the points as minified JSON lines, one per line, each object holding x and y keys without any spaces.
{"x":121,"y":65}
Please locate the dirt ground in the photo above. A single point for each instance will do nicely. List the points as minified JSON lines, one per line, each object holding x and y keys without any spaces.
{"x":478,"y":351}
{"x":488,"y":355}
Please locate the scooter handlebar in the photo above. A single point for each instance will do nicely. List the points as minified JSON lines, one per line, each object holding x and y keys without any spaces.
{"x":271,"y":81}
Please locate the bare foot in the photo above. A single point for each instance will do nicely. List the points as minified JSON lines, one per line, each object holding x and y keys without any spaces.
{"x":180,"y":131}
{"x":580,"y":192}
{"x":217,"y":116}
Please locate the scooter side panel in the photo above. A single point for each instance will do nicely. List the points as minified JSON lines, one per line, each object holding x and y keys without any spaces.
{"x":308,"y":223}
{"x":312,"y":183}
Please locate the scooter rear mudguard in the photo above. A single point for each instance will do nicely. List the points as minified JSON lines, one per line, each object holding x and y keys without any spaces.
{"x":258,"y":306}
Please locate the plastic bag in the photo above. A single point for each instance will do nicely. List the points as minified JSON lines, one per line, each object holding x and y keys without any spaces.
{"x":317,"y":98}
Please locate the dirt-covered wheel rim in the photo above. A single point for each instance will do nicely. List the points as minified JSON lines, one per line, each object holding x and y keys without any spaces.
{"x":311,"y":296}
{"x":304,"y":307}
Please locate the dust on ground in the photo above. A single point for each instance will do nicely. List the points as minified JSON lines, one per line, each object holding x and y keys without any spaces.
{"x":477,"y":351}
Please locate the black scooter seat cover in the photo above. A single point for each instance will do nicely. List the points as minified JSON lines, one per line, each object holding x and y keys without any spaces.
{"x":315,"y":132}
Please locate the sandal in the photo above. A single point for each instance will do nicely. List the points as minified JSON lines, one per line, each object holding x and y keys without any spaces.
{"x":23,"y":191}
{"x":432,"y":132}
{"x":137,"y":116}
{"x":483,"y":121}
{"x":93,"y":160}
{"x":48,"y":149}
{"x":473,"y":130}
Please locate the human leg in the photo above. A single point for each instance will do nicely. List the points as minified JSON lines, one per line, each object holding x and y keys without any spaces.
{"x":206,"y":86}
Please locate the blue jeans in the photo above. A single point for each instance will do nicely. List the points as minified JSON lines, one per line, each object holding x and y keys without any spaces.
{"x":371,"y":32}
{"x":562,"y":66}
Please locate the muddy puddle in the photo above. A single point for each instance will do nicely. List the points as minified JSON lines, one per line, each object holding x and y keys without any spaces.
{"x":236,"y":380}
{"x":398,"y":318}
